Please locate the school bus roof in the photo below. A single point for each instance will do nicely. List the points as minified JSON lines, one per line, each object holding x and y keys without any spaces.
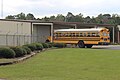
{"x":81,"y":30}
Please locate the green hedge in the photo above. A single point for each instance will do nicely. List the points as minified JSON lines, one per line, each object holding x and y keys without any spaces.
{"x":39,"y":46}
{"x":7,"y":53}
{"x":28,"y":50}
{"x":45,"y":45}
{"x":19,"y":52}
{"x":32,"y":47}
{"x":50,"y":44}
{"x":24,"y":51}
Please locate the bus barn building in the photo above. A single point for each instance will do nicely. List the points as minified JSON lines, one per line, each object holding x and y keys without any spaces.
{"x":20,"y":32}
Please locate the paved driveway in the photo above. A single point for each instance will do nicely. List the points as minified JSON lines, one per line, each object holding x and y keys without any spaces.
{"x":111,"y":47}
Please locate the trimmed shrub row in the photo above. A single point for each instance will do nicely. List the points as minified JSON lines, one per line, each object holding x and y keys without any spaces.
{"x":28,"y":50}
{"x":12,"y":52}
{"x":45,"y":45}
{"x":7,"y":53}
{"x":19,"y":51}
{"x":34,"y":46}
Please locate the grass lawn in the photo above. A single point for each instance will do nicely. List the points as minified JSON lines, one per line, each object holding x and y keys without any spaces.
{"x":67,"y":64}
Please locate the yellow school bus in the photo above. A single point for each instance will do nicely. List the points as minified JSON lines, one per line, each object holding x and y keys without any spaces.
{"x":81,"y":37}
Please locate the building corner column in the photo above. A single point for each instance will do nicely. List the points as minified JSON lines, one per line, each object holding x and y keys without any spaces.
{"x":52,"y":32}
{"x":113,"y":34}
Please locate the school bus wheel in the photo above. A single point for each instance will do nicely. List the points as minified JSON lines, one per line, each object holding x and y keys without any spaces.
{"x":89,"y":45}
{"x":81,"y":44}
{"x":47,"y":41}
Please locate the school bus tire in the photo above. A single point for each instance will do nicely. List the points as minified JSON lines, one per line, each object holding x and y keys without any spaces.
{"x":47,"y":41}
{"x":89,"y":45}
{"x":81,"y":44}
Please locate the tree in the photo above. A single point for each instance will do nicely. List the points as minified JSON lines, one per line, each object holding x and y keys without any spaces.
{"x":69,"y":17}
{"x":99,"y":19}
{"x":10,"y":17}
{"x":107,"y":15}
{"x":116,"y":19}
{"x":93,"y":20}
{"x":20,"y":16}
{"x":52,"y":18}
{"x":107,"y":19}
{"x":104,"y":19}
{"x":87,"y":19}
{"x":30,"y":16}
{"x":60,"y":17}
{"x":78,"y":18}
{"x":46,"y":19}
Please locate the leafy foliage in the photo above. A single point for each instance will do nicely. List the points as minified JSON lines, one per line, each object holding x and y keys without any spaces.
{"x":31,"y":46}
{"x":70,"y":17}
{"x":39,"y":46}
{"x":18,"y":51}
{"x":24,"y":51}
{"x":50,"y":44}
{"x":30,"y":16}
{"x":20,"y":16}
{"x":28,"y":50}
{"x":7,"y":53}
{"x":10,"y":17}
{"x":45,"y":45}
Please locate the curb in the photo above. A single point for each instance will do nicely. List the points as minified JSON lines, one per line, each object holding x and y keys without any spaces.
{"x":19,"y":60}
{"x":23,"y":58}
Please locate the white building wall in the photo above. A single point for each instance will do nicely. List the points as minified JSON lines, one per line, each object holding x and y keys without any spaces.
{"x":13,"y":27}
{"x":13,"y":33}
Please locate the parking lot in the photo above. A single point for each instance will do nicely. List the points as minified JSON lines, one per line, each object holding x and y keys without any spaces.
{"x":110,"y":47}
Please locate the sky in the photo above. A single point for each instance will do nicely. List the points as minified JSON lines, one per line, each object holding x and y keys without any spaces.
{"x":42,"y":8}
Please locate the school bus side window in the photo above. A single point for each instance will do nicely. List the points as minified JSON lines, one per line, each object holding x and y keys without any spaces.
{"x":81,"y":35}
{"x":73,"y":34}
{"x":62,"y":34}
{"x":84,"y":34}
{"x":59,"y":34}
{"x":88,"y":34}
{"x":77,"y":34}
{"x":66,"y":34}
{"x":70,"y":34}
{"x":93,"y":34}
{"x":56,"y":34}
